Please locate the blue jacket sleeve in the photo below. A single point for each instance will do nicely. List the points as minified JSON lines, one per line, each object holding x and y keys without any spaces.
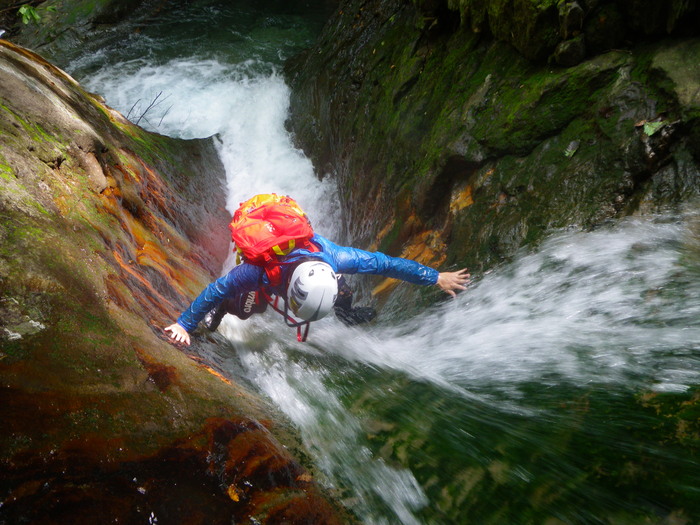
{"x":242,"y":278}
{"x":345,"y":259}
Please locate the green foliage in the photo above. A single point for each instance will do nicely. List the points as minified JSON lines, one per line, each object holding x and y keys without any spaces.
{"x":28,"y":14}
{"x":31,"y":14}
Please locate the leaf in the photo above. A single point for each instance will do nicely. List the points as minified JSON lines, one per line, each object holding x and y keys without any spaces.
{"x":28,"y":14}
{"x":571,"y":148}
{"x":652,"y":127}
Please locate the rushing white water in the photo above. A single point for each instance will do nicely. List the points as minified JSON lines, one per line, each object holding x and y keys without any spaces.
{"x":244,"y":104}
{"x":586,"y":307}
{"x":612,"y":309}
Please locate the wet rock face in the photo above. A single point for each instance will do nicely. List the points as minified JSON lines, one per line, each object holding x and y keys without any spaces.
{"x":437,"y":129}
{"x":70,"y":163}
{"x":107,"y":232}
{"x":65,"y":26}
{"x":536,"y":29}
{"x":228,"y":471}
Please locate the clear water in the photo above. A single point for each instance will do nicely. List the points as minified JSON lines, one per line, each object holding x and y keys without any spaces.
{"x":539,"y":396}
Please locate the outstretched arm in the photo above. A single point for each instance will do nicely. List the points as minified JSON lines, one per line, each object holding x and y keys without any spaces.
{"x":178,"y":333}
{"x":244,"y":277}
{"x":452,"y":281}
{"x":345,"y":259}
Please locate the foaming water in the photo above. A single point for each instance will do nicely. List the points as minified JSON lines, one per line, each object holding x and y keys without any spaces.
{"x":603,"y":307}
{"x":185,"y":97}
{"x":245,"y":105}
{"x":377,"y":491}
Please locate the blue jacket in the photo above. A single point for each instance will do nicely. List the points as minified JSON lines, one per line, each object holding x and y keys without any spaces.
{"x":247,"y":277}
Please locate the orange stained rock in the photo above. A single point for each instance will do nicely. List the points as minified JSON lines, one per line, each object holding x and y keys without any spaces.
{"x":302,"y":507}
{"x":147,"y":247}
{"x":128,"y":171}
{"x":157,"y":199}
{"x":152,"y":188}
{"x":412,"y":225}
{"x":200,"y":362}
{"x":382,"y":234}
{"x":261,"y":477}
{"x":249,"y":454}
{"x":426,"y":248}
{"x":385,"y":286}
{"x":215,"y":373}
{"x":462,"y":200}
{"x":409,"y":227}
{"x":118,"y":293}
{"x":151,"y":254}
{"x":153,"y":296}
{"x":53,"y":70}
{"x":158,"y":190}
{"x":162,"y":375}
{"x":171,"y":238}
{"x":134,"y":227}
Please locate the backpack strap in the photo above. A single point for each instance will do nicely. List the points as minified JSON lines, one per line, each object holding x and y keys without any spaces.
{"x":273,"y":264}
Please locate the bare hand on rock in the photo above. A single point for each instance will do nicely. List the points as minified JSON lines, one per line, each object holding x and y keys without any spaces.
{"x":450,"y":282}
{"x":178,"y":333}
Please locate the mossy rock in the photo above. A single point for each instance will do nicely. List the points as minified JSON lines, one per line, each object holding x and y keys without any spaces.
{"x":432,"y":127}
{"x":107,"y":233}
{"x":66,"y":25}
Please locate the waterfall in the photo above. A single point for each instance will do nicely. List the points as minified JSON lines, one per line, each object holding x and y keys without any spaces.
{"x":244,"y":105}
{"x":513,"y":402}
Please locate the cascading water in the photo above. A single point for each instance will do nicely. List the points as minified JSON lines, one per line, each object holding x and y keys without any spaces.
{"x":532,"y":398}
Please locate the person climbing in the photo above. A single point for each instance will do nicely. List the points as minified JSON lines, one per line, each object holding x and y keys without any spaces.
{"x":288,"y":266}
{"x":245,"y":304}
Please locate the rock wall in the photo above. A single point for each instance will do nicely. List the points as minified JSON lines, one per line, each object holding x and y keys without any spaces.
{"x":457,"y":136}
{"x":106,"y":233}
{"x":566,"y":31}
{"x":63,"y":27}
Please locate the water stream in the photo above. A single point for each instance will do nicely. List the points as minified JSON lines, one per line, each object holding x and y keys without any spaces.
{"x":539,"y":396}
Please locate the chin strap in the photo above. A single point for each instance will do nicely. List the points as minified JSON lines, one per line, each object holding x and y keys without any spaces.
{"x":302,"y":337}
{"x":288,"y":319}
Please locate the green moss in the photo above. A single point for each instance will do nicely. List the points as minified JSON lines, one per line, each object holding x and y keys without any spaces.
{"x":6,"y":172}
{"x":660,"y":87}
{"x":522,"y":115}
{"x":35,"y":131}
{"x":388,"y":243}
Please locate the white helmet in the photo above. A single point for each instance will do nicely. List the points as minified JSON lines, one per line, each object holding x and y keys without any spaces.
{"x":312,"y":290}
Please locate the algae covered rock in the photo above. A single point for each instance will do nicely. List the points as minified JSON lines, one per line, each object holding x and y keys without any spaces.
{"x":441,"y":130}
{"x":107,"y":232}
{"x":537,"y":28}
{"x":62,"y":26}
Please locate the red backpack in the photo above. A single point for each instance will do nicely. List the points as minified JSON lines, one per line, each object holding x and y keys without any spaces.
{"x":267,"y":227}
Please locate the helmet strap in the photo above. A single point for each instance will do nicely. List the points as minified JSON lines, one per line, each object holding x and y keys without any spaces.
{"x":302,"y":337}
{"x":288,"y":319}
